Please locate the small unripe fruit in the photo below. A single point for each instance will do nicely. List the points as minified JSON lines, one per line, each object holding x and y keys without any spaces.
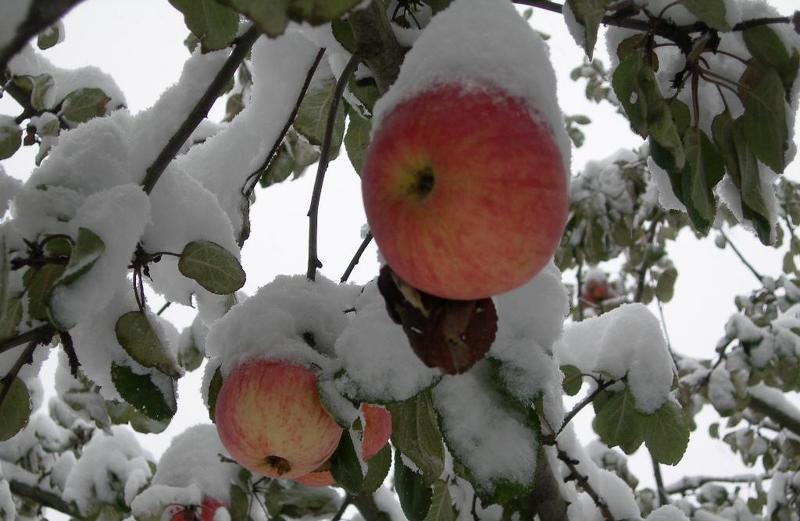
{"x":270,"y":418}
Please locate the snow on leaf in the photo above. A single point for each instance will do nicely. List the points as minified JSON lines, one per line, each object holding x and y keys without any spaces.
{"x":212,"y":266}
{"x":415,"y":432}
{"x":589,"y":13}
{"x":15,"y":407}
{"x":138,"y":339}
{"x":88,"y":248}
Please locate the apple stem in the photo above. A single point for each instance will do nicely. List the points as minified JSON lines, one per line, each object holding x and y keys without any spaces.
{"x":281,"y":465}
{"x":313,"y":211}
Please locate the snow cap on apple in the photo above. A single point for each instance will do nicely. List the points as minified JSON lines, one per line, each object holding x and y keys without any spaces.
{"x":465,"y":180}
{"x":269,"y":351}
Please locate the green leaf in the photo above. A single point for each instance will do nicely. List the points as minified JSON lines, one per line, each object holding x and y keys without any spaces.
{"x":441,"y":504}
{"x":240,"y":503}
{"x":366,"y":92}
{"x":589,"y":13}
{"x":764,"y":119}
{"x":356,"y":140}
{"x":665,"y":287}
{"x":142,"y":393}
{"x":88,"y":248}
{"x":15,"y":409}
{"x":39,"y":283}
{"x":635,"y":85}
{"x":617,"y":421}
{"x":312,"y":116}
{"x":140,"y":341}
{"x":50,"y":36}
{"x":346,"y":467}
{"x":666,"y":433}
{"x":272,"y":16}
{"x":705,"y":170}
{"x":415,"y":432}
{"x":293,"y":157}
{"x":767,"y":48}
{"x":413,"y":490}
{"x":214,"y":24}
{"x":573,"y":379}
{"x":37,"y":87}
{"x":213,"y":391}
{"x":10,"y":137}
{"x":212,"y":266}
{"x":10,"y":318}
{"x":84,"y":104}
{"x":377,"y":469}
{"x":710,"y":12}
{"x":742,"y":167}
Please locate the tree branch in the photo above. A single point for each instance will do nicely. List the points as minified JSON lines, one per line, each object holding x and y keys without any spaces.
{"x":601,"y":386}
{"x":40,"y":334}
{"x":738,"y":253}
{"x":322,"y":166}
{"x":243,"y":45}
{"x":782,"y":418}
{"x":376,"y":43}
{"x":369,"y":510}
{"x":25,"y":357}
{"x":688,"y":483}
{"x":356,"y":257}
{"x":254,"y":177}
{"x":583,"y":481}
{"x":45,"y":498}
{"x":41,"y":15}
{"x":545,"y":499}
{"x":651,"y":233}
{"x":348,"y":499}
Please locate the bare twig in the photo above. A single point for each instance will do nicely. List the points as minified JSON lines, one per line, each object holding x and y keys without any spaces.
{"x":252,"y":179}
{"x":41,"y":15}
{"x":322,"y":166}
{"x":583,"y":481}
{"x":738,"y":253}
{"x":217,"y":86}
{"x":356,"y":257}
{"x":348,"y":499}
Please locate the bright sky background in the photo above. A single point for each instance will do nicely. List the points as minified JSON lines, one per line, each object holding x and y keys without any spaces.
{"x":140,"y":44}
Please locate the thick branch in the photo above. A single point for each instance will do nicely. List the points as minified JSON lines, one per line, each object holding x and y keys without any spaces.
{"x":45,"y":498}
{"x":369,"y":510}
{"x":376,"y":43}
{"x":42,"y":14}
{"x":546,"y":499}
{"x":779,"y":416}
{"x":356,"y":257}
{"x":322,"y":166}
{"x":243,"y":45}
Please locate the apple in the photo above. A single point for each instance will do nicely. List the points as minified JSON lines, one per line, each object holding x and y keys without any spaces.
{"x":376,"y":431}
{"x":206,"y":511}
{"x":270,"y":419}
{"x":465,"y":191}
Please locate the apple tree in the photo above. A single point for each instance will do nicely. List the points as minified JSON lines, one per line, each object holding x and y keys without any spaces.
{"x":404,"y":397}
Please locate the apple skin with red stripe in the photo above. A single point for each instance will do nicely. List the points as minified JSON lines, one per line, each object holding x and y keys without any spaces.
{"x":465,"y":191}
{"x":270,"y":419}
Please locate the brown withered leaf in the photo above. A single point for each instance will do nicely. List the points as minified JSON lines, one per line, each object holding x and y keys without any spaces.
{"x":450,"y":335}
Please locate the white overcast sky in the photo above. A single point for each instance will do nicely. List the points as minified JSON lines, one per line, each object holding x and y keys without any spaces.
{"x":140,"y":44}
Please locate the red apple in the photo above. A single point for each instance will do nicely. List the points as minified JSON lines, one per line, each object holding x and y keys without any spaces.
{"x":465,"y":191}
{"x":376,"y":433}
{"x":206,"y":511}
{"x":270,"y":418}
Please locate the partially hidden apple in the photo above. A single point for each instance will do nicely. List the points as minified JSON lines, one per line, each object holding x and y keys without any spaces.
{"x":206,"y":511}
{"x":376,"y":431}
{"x":465,"y":191}
{"x":270,"y":419}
